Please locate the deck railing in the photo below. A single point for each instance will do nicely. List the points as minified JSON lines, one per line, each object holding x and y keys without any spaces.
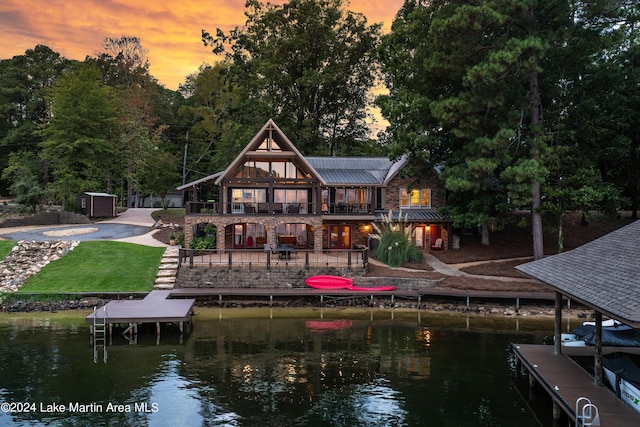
{"x":217,"y":208}
{"x":348,"y":258}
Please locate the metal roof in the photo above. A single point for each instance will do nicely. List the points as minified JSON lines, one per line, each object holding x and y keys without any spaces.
{"x":92,"y":194}
{"x":348,"y":177}
{"x":352,"y":170}
{"x":414,"y":215}
{"x":199,"y":181}
{"x":603,"y":274}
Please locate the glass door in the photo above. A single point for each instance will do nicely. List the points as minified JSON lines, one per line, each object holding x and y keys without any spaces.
{"x":339,"y":237}
{"x":419,"y":236}
{"x":238,"y":236}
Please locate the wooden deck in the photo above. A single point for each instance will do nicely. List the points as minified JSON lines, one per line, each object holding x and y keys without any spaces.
{"x":156,"y":308}
{"x":565,"y":381}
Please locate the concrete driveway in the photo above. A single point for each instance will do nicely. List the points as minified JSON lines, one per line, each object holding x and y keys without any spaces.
{"x":133,"y":226}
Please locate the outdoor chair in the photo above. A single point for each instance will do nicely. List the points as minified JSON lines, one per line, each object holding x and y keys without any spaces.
{"x":437,"y":245}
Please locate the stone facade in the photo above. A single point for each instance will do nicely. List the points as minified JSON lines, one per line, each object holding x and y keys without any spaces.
{"x":432,"y":181}
{"x":269,"y":222}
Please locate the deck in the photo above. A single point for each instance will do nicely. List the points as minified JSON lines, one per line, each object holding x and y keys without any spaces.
{"x":565,"y":381}
{"x":156,"y":308}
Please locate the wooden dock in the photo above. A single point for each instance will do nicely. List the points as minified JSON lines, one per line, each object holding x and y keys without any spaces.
{"x":331,"y":294}
{"x":156,"y":308}
{"x":565,"y":382}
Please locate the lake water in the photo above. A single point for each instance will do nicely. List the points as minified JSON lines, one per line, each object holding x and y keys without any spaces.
{"x":263,"y":367}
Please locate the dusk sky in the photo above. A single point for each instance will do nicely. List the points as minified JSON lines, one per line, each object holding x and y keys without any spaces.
{"x":169,"y":29}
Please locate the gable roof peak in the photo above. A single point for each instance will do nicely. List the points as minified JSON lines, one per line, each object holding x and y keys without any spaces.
{"x":269,"y":138}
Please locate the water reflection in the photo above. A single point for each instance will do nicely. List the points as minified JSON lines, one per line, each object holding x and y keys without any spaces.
{"x":271,"y":367}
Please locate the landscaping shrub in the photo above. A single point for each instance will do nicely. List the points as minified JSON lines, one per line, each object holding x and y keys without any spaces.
{"x":394,"y":246}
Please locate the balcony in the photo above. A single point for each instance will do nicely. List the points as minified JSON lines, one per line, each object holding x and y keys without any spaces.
{"x":271,"y":208}
{"x":240,"y":208}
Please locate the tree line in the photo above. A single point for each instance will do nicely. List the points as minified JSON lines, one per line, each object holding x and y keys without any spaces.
{"x":520,"y":104}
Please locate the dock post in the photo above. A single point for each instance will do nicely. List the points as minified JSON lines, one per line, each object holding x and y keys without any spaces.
{"x":557,"y":411}
{"x":557,"y":327}
{"x":532,"y":386}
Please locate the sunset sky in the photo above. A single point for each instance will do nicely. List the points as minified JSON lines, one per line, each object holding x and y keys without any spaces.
{"x":169,"y":29}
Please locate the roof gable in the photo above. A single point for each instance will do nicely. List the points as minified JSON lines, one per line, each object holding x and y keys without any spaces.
{"x":270,"y":141}
{"x":604,"y":273}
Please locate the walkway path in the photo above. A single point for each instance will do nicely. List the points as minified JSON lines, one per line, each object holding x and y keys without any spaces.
{"x":455,"y":269}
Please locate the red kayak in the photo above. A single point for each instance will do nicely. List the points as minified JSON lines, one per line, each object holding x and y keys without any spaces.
{"x":339,"y":282}
{"x":320,"y":325}
{"x":329,"y":282}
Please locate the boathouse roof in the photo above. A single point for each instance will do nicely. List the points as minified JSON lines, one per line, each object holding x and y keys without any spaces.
{"x":603,"y":274}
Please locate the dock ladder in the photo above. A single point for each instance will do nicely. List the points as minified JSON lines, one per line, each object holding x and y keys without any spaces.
{"x":99,"y":333}
{"x":588,"y":415}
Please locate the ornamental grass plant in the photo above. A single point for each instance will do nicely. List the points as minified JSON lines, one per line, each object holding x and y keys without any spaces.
{"x":395,"y":247}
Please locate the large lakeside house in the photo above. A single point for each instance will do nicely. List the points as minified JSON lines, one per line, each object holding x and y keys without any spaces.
{"x":272,"y":195}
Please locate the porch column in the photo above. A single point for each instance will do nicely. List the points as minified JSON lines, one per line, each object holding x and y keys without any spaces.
{"x":220,"y":243}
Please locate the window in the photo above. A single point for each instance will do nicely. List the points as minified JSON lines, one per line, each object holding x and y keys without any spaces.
{"x":416,"y":198}
{"x":265,"y":169}
{"x":343,"y":199}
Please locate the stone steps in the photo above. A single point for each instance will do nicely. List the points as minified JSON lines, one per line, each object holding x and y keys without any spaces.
{"x":168,"y":270}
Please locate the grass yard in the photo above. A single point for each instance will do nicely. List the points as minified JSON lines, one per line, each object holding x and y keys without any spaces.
{"x":99,"y":266}
{"x":5,"y":247}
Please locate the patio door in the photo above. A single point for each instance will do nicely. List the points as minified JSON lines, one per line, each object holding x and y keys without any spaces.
{"x":339,"y":237}
{"x":419,"y":236}
{"x":238,"y":236}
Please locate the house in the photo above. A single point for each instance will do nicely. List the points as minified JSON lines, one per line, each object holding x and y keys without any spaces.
{"x":273,"y":195}
{"x":98,"y":205}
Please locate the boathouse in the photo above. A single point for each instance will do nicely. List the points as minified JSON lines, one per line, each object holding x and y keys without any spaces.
{"x":604,"y":275}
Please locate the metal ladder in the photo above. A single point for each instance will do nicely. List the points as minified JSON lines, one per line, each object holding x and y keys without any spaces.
{"x":99,"y":333}
{"x":588,"y":415}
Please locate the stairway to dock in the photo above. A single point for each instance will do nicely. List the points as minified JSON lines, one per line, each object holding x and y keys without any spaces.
{"x":168,"y":270}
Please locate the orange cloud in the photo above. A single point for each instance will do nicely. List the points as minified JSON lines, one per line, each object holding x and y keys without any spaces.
{"x":169,"y":30}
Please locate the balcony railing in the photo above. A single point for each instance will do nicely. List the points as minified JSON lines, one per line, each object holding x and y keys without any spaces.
{"x":347,"y":258}
{"x":272,"y":208}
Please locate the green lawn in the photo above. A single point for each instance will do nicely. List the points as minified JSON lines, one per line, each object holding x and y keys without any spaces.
{"x":99,"y":266}
{"x":5,"y":247}
{"x":168,"y":212}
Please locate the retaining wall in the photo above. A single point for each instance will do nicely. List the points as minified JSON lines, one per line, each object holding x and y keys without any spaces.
{"x":254,"y":277}
{"x":45,"y":218}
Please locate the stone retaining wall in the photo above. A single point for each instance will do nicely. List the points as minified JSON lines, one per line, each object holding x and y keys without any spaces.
{"x":45,"y":218}
{"x":27,"y":258}
{"x":238,"y":277}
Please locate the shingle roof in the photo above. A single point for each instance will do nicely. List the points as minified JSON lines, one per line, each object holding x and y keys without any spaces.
{"x":604,"y":273}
